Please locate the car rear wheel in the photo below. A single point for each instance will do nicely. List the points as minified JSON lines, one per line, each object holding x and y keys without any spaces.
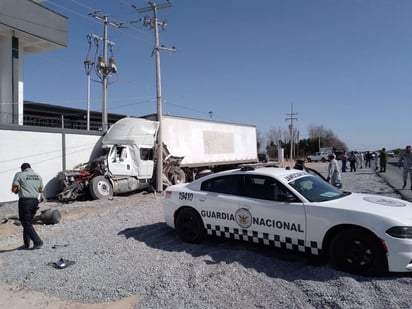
{"x":189,"y":226}
{"x":359,"y":252}
{"x":100,"y":188}
{"x":323,"y":160}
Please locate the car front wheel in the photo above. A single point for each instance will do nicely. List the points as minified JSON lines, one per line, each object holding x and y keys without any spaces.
{"x":359,"y":252}
{"x":189,"y":226}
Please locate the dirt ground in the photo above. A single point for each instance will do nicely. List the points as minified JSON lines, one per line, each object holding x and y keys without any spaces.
{"x":13,"y":297}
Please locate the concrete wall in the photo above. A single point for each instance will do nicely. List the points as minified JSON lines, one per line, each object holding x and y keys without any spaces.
{"x":49,"y":151}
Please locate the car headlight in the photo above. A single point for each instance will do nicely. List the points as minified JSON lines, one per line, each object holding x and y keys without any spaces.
{"x":400,"y":231}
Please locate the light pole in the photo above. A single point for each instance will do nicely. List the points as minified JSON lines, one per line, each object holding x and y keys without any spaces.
{"x":103,"y":68}
{"x":88,"y":67}
{"x":104,"y":77}
{"x":291,"y":118}
{"x":153,"y":23}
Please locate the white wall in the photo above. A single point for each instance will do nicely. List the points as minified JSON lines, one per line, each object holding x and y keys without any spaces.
{"x":47,"y":152}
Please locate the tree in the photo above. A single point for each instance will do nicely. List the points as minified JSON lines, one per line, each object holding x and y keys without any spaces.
{"x":259,"y":140}
{"x":278,"y":136}
{"x":321,"y":137}
{"x":318,"y":137}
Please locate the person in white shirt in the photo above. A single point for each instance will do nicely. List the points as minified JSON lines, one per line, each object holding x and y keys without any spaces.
{"x":334,"y":176}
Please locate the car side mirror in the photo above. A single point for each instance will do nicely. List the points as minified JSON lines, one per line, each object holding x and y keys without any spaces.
{"x":288,"y":197}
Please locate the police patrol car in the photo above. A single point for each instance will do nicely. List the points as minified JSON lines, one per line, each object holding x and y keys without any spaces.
{"x":293,"y":209}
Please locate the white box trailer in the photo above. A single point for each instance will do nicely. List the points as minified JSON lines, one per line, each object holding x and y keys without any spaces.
{"x":205,"y":143}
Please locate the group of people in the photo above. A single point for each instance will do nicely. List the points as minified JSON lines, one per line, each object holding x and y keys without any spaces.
{"x":357,"y":159}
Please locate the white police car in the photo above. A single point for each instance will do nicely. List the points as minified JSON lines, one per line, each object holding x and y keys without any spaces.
{"x":292,"y":209}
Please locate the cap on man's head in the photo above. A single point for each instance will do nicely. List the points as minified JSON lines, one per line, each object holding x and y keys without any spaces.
{"x":331,"y":155}
{"x":25,"y":166}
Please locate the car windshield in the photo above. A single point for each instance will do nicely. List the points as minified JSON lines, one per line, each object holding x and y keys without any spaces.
{"x":315,"y":189}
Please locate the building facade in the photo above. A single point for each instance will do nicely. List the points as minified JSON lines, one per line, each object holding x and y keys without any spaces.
{"x":26,"y":27}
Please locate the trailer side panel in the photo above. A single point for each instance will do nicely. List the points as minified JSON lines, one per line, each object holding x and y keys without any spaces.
{"x":205,"y":142}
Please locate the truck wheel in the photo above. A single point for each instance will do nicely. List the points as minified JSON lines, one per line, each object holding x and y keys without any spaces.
{"x":178,"y":176}
{"x":359,"y":252}
{"x":100,"y":188}
{"x":309,"y":160}
{"x":189,"y":226}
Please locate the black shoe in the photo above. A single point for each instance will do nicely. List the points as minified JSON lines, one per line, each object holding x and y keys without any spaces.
{"x":24,"y":247}
{"x":38,"y":246}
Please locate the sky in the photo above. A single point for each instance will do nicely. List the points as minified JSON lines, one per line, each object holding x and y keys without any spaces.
{"x":345,"y":65}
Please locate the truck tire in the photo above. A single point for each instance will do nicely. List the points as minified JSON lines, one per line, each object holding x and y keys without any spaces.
{"x":178,"y":176}
{"x":100,"y":188}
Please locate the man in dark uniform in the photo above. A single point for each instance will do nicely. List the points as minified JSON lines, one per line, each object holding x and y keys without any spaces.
{"x":382,"y":160}
{"x":28,"y":184}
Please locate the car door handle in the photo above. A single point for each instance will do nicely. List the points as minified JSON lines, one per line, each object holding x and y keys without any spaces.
{"x":202,"y":199}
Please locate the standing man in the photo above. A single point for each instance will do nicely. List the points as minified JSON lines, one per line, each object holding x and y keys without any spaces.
{"x":368,"y":158}
{"x":28,"y":184}
{"x":382,"y":160}
{"x":359,"y":160}
{"x":344,"y":159}
{"x":405,"y":160}
{"x":352,"y":162}
{"x":333,"y":171}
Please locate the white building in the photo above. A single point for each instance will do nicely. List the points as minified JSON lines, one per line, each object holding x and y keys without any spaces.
{"x":26,"y":27}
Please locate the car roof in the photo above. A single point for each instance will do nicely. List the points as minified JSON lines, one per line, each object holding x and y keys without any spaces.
{"x":266,"y":169}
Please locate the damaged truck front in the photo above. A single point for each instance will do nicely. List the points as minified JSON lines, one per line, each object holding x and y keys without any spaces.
{"x":127,"y":163}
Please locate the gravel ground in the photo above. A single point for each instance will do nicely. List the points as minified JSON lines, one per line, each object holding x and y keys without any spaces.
{"x":123,"y":247}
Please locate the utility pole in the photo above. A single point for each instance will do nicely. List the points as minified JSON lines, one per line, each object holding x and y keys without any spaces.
{"x":153,"y":23}
{"x":105,"y":68}
{"x":291,"y":117}
{"x":88,"y":67}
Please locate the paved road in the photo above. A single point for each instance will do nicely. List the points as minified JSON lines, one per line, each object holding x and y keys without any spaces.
{"x":393,"y":176}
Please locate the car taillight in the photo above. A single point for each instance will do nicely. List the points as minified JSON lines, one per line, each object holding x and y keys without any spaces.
{"x":168,"y":194}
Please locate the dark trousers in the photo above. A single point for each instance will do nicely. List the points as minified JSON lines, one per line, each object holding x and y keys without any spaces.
{"x":383,"y":166}
{"x":27,"y":210}
{"x":343,"y":166}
